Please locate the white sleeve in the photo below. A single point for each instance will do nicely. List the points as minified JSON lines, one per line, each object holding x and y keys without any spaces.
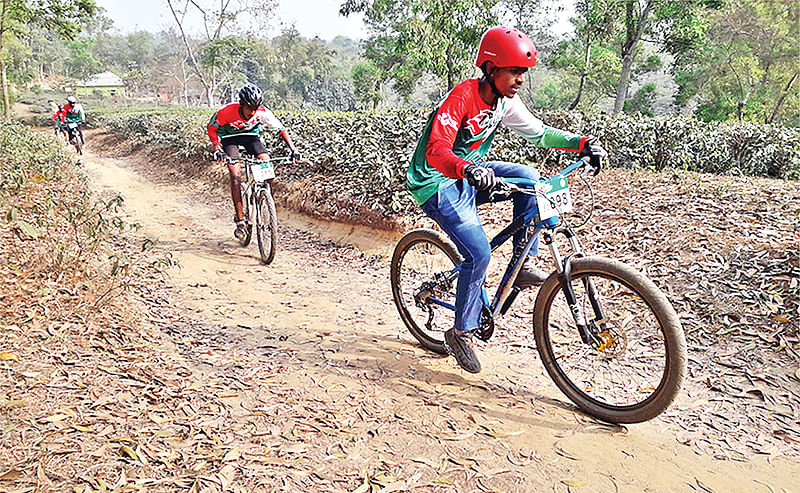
{"x":267,"y":118}
{"x":517,"y":117}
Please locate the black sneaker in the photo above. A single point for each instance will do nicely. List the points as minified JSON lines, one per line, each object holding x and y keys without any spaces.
{"x":241,"y":229}
{"x":459,"y":344}
{"x":530,"y":276}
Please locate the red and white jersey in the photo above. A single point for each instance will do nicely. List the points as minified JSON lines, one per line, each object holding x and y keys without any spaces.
{"x":228,"y":122}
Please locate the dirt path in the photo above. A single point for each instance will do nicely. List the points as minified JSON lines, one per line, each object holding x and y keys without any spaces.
{"x":323,"y":380}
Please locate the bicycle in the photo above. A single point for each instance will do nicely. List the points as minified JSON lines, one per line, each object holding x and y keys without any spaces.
{"x":74,"y":136}
{"x":607,"y":336}
{"x":258,"y":204}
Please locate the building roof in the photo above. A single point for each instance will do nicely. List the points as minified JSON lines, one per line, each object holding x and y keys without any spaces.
{"x":104,"y":79}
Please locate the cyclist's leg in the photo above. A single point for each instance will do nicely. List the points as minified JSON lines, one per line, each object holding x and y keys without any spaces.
{"x":255,"y":147}
{"x":522,"y":202}
{"x":235,"y":172}
{"x":454,"y":210}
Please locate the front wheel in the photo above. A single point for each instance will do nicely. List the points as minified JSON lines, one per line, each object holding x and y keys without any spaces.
{"x":635,"y":367}
{"x":246,"y":198}
{"x":78,"y":143}
{"x":266,"y":225}
{"x":424,"y":277}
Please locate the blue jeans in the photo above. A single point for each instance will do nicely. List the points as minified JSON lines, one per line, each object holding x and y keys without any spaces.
{"x":455,"y":210}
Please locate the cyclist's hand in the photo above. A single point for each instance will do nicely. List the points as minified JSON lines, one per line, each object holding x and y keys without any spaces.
{"x":480,"y":177}
{"x":595,"y":152}
{"x":296,"y":156}
{"x":219,"y":155}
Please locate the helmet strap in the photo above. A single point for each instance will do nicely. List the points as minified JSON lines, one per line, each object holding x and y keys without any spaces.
{"x":487,"y":77}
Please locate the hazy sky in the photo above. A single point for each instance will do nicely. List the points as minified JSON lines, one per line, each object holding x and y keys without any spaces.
{"x":311,"y":17}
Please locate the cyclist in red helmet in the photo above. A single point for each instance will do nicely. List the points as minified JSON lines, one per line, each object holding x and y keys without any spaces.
{"x":449,"y":179}
{"x":238,"y":124}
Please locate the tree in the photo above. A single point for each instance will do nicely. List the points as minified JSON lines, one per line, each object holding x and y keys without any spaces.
{"x":748,"y":67}
{"x":642,"y":102}
{"x":409,"y":37}
{"x":293,"y":65}
{"x":62,"y":16}
{"x":81,"y":62}
{"x":367,"y":82}
{"x":216,"y":21}
{"x":594,"y":22}
{"x":533,"y":17}
{"x":676,"y":26}
{"x":594,"y":72}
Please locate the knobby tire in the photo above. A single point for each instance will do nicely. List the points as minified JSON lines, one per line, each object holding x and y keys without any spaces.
{"x":637,"y":341}
{"x":417,"y":256}
{"x":266,"y":225}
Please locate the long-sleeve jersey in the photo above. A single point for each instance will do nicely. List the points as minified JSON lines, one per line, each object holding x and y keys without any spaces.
{"x":228,"y":122}
{"x":460,"y":131}
{"x":72,"y":113}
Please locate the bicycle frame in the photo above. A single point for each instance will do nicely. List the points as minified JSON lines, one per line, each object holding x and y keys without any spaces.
{"x":507,"y":291}
{"x":251,"y":187}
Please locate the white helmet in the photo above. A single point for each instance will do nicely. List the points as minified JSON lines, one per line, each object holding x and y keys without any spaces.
{"x":71,"y":99}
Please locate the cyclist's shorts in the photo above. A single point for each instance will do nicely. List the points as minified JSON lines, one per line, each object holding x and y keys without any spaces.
{"x":251,"y":143}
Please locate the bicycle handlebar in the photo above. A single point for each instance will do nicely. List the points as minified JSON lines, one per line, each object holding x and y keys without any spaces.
{"x":507,"y":186}
{"x":247,"y":159}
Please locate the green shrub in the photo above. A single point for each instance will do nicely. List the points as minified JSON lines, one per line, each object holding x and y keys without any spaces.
{"x":363,"y":156}
{"x":27,"y":155}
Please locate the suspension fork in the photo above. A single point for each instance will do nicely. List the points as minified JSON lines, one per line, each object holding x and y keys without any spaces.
{"x":587,"y":329}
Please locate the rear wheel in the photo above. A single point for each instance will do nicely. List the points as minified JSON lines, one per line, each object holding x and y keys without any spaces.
{"x":266,"y":225}
{"x":636,"y":370}
{"x":424,"y":279}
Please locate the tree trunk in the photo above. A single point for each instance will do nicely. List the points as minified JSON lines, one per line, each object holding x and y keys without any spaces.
{"x":4,"y":82}
{"x":742,"y":104}
{"x":449,"y":61}
{"x":636,"y":24}
{"x":584,"y":73}
{"x":624,"y":82}
{"x":190,"y":52}
{"x":782,"y":98}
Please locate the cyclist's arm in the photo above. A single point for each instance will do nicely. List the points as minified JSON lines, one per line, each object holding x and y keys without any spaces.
{"x":286,"y":138}
{"x":211,"y":129}
{"x":269,"y":120}
{"x":81,"y":114}
{"x":439,"y":152}
{"x":518,"y":118}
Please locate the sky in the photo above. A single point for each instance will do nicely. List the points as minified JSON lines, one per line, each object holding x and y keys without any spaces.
{"x":325,"y":22}
{"x":310,"y":17}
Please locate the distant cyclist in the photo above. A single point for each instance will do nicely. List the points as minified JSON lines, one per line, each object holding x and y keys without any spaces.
{"x":72,"y":112}
{"x":449,"y":178}
{"x":238,"y":124}
{"x":57,"y":118}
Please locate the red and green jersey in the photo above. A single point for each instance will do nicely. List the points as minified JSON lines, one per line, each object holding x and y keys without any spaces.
{"x":72,"y":113}
{"x":460,"y":131}
{"x":228,"y":122}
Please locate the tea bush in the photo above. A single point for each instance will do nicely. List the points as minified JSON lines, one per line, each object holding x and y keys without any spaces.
{"x":52,"y":225}
{"x":360,"y":158}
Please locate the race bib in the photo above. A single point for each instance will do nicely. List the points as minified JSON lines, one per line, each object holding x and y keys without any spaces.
{"x":556,"y":199}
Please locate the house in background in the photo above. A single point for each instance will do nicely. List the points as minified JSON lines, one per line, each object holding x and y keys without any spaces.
{"x":106,"y":83}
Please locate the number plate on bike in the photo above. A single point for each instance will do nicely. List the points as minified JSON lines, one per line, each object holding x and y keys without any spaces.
{"x":263,"y":171}
{"x":556,"y":198}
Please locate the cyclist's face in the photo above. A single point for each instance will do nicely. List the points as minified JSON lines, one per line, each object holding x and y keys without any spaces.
{"x":248,"y":111}
{"x":508,"y":80}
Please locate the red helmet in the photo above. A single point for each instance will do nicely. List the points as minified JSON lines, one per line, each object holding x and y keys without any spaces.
{"x":506,"y":47}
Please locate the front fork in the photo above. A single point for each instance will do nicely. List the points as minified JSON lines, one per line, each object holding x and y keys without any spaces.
{"x":588,"y":330}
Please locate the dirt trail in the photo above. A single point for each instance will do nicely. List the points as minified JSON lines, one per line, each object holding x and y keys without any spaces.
{"x":316,"y":333}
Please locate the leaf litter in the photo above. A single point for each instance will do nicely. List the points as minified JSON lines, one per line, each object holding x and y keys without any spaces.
{"x":158,"y":416}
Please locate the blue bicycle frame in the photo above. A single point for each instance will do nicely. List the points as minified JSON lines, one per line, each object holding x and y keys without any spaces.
{"x":506,"y":291}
